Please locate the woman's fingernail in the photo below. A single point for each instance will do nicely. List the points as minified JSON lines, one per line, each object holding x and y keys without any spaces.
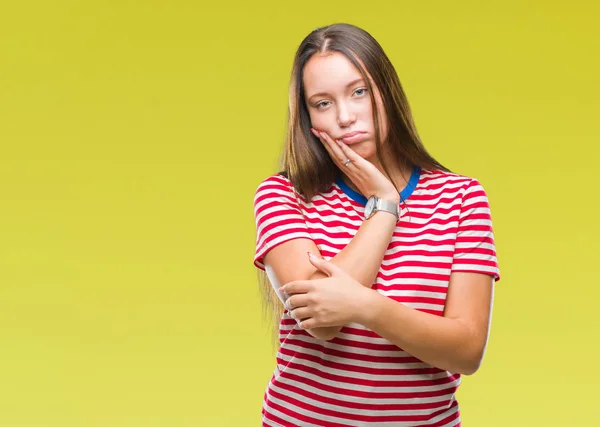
{"x":311,"y":256}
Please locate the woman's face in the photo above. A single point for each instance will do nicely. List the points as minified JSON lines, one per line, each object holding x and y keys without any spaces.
{"x":339,"y":103}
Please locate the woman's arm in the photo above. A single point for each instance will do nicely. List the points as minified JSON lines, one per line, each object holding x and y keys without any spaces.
{"x":361,"y":259}
{"x":455,"y":342}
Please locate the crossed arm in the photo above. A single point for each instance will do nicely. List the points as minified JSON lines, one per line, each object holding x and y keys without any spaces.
{"x":361,"y":259}
{"x":455,"y":341}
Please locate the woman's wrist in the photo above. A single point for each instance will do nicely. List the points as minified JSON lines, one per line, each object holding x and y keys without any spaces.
{"x":368,"y":307}
{"x":391,"y":197}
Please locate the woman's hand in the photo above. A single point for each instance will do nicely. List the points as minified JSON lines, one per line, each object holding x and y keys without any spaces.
{"x":332,"y":301}
{"x":365,"y":176}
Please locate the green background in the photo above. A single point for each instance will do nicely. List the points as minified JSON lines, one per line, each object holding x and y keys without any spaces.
{"x":133,"y":135}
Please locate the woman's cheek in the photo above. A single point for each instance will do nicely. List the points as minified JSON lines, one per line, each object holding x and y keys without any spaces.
{"x":318,"y":122}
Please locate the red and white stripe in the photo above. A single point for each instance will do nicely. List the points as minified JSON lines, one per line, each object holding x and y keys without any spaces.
{"x":359,"y":378}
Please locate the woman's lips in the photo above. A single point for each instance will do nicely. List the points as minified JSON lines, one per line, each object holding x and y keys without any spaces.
{"x":356,"y":137}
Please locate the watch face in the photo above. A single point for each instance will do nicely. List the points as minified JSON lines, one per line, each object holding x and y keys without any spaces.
{"x":369,"y":207}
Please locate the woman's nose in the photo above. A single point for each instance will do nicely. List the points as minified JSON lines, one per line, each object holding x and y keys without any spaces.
{"x":345,"y":116}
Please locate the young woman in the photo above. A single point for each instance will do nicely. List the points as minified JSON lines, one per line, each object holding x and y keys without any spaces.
{"x":380,"y":261}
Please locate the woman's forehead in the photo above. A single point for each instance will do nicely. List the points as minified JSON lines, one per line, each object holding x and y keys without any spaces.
{"x":329,"y":71}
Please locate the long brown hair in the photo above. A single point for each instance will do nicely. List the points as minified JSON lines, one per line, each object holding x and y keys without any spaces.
{"x":305,"y":161}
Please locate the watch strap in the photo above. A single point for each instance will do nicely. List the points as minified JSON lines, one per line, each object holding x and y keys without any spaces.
{"x":385,"y":206}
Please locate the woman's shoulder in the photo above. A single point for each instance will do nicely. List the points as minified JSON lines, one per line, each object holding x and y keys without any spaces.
{"x":275,"y":185}
{"x":438,"y":178}
{"x":279,"y":179}
{"x":280,"y":183}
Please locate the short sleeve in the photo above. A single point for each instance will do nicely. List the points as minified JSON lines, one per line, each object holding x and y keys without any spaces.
{"x":475,"y":249}
{"x":277,"y":215}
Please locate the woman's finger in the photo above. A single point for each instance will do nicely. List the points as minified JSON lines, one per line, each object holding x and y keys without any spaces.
{"x":325,"y":266}
{"x":302,"y":313}
{"x":348,"y":152}
{"x":332,"y":148}
{"x":335,"y":148}
{"x":297,"y":287}
{"x":308,"y":324}
{"x":295,"y":301}
{"x":327,"y":147}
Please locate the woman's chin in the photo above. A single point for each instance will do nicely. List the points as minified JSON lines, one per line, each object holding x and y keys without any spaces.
{"x":366,"y":152}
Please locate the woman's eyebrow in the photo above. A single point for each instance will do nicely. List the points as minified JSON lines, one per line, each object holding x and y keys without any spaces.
{"x":352,"y":83}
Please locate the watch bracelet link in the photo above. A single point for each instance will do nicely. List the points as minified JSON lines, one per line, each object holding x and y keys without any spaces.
{"x":387,"y":206}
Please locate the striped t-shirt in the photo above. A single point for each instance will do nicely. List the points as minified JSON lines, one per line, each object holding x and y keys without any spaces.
{"x":359,"y":378}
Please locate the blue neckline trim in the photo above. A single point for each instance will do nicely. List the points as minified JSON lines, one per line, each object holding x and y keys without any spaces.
{"x":404,"y":194}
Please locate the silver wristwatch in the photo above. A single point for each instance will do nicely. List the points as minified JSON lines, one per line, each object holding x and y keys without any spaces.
{"x":375,"y":204}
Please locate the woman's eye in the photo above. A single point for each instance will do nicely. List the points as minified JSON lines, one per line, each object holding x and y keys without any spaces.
{"x":359,"y":92}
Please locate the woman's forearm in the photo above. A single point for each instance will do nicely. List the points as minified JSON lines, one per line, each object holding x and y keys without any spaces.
{"x":361,"y":258}
{"x":445,"y":343}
